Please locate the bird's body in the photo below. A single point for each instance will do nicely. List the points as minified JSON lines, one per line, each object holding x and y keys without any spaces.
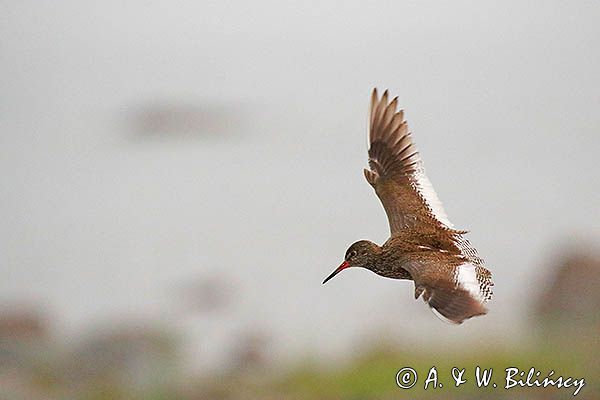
{"x":424,"y":246}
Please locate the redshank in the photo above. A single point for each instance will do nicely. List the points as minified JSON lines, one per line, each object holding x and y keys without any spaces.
{"x":423,"y":246}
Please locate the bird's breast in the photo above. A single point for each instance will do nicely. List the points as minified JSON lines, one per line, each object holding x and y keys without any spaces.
{"x":392,"y":269}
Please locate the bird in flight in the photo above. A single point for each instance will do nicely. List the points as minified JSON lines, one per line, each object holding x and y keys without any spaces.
{"x":423,"y":246}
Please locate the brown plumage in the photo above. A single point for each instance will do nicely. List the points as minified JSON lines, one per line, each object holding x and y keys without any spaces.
{"x":423,"y":245}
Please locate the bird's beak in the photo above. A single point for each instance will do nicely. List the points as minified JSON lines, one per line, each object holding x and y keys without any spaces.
{"x":339,"y":269}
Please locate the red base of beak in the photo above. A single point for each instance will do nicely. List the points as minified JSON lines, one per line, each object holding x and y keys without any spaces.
{"x":339,"y":269}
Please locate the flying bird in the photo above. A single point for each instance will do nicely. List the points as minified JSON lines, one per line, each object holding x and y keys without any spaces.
{"x":423,"y":246}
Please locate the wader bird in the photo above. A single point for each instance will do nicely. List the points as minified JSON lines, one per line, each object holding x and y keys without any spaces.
{"x":423,"y":246}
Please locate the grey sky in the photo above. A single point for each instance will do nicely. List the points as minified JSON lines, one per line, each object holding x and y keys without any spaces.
{"x":502,"y":99}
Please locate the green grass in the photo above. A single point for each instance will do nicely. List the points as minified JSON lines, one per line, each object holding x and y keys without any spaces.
{"x":373,"y":376}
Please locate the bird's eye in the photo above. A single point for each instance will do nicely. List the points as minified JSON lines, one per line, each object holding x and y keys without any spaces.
{"x":352,"y":254}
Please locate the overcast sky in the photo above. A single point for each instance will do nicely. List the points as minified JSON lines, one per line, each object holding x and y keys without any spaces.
{"x":101,"y":220}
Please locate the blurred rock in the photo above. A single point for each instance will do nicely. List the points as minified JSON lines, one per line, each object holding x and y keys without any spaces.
{"x":25,"y":324}
{"x":572,"y":297}
{"x":175,"y":119}
{"x":26,"y":354}
{"x":24,"y":338}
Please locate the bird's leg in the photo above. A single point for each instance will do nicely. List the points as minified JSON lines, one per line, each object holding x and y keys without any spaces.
{"x":418,"y":291}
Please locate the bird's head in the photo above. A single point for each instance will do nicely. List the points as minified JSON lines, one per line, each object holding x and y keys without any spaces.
{"x":359,"y":254}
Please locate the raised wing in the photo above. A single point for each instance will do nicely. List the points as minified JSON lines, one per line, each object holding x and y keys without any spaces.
{"x":397,"y":172}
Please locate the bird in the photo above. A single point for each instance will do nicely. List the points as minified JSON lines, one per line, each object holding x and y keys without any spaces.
{"x":423,"y":246}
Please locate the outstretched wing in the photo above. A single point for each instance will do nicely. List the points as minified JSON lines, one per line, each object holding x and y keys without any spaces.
{"x":397,"y":172}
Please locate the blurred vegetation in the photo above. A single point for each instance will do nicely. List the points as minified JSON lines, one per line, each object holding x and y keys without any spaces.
{"x":371,"y":376}
{"x":144,"y":361}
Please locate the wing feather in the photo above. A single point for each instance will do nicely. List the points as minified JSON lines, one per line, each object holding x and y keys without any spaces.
{"x":397,"y":172}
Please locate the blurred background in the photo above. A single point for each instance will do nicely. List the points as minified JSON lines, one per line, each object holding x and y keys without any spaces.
{"x":179,"y":177}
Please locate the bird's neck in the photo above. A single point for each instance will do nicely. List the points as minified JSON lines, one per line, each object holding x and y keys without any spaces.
{"x":388,"y":263}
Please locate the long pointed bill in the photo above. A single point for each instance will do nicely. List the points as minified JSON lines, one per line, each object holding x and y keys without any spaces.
{"x":339,"y":269}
